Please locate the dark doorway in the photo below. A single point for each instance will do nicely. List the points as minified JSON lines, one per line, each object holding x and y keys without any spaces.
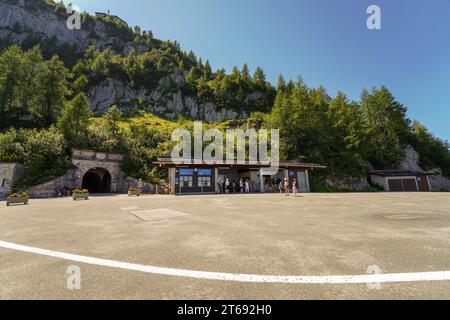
{"x":97,"y":180}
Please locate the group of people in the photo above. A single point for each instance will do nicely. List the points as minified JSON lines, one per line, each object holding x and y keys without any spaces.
{"x":225,"y":186}
{"x":243,"y":186}
{"x":286,"y":188}
{"x":62,"y":191}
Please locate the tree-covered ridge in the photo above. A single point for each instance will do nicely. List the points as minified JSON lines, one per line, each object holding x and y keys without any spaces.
{"x":44,"y":109}
{"x":138,"y":60}
{"x":351,"y":136}
{"x":145,"y":70}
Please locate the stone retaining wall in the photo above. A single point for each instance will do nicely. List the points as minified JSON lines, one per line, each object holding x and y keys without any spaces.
{"x":10,"y":174}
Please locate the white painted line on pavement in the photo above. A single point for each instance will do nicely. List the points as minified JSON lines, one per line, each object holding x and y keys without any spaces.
{"x":362,"y":279}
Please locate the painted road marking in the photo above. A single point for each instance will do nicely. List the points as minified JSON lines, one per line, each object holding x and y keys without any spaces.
{"x":216,"y":276}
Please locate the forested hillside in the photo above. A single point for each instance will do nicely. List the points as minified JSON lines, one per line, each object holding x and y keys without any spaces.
{"x":118,"y":89}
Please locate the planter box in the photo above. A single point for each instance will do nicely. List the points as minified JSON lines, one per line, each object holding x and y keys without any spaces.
{"x":77,"y":196}
{"x":16,"y":200}
{"x":134,"y":193}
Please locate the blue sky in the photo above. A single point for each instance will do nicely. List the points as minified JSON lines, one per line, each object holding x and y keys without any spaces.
{"x":325,"y":41}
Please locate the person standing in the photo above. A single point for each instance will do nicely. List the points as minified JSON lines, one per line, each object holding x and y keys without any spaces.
{"x":294,"y":187}
{"x":241,"y":185}
{"x":247,"y":186}
{"x":220,"y":185}
{"x":286,"y":187}
{"x":227,"y":186}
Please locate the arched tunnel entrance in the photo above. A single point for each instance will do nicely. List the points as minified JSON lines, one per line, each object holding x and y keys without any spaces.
{"x":97,"y":180}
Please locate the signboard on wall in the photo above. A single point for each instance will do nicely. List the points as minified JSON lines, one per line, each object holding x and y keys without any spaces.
{"x":185,"y":172}
{"x":204,"y":172}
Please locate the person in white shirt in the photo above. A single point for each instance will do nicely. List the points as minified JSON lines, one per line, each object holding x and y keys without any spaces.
{"x":247,"y":186}
{"x":294,"y":187}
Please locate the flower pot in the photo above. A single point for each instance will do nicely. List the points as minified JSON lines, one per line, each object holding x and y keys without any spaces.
{"x":134,"y":193}
{"x":78,"y":196}
{"x":16,"y":200}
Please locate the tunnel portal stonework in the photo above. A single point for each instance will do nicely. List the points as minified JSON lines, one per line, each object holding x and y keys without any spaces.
{"x":88,"y":161}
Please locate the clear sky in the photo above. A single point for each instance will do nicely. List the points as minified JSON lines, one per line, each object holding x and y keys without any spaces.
{"x":325,"y":41}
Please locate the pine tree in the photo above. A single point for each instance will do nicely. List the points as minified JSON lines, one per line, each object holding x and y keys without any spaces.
{"x":112,"y":118}
{"x":385,"y":127}
{"x":245,"y":73}
{"x":259,"y":77}
{"x":74,"y":120}
{"x":11,"y":74}
{"x":281,"y":85}
{"x":52,"y":86}
{"x":208,"y":71}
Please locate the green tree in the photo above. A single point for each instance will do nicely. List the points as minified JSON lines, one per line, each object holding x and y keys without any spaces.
{"x":11,"y":75}
{"x":52,"y":88}
{"x":281,"y":84}
{"x":259,"y":77}
{"x":33,"y":64}
{"x":74,"y":120}
{"x":80,"y":84}
{"x":44,"y":155}
{"x":112,"y":118}
{"x":245,"y":73}
{"x":208,"y":71}
{"x":434,"y":152}
{"x":11,"y":149}
{"x":384,"y":128}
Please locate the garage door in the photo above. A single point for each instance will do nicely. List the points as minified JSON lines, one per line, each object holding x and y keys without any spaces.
{"x":423,"y":184}
{"x":395,"y":185}
{"x":403,"y":185}
{"x":409,"y":185}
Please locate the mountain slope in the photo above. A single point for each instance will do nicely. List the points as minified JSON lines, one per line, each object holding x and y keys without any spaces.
{"x":176,"y":83}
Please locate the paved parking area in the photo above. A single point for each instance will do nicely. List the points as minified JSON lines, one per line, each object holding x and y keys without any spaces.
{"x":263,"y":235}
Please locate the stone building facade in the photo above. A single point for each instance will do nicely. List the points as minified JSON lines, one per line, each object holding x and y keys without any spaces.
{"x":99,"y":172}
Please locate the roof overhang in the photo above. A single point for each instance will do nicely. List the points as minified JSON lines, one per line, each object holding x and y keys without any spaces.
{"x":169,"y":163}
{"x":399,"y":173}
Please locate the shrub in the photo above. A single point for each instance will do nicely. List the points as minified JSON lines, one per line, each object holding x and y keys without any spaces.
{"x":82,"y":191}
{"x":41,"y":151}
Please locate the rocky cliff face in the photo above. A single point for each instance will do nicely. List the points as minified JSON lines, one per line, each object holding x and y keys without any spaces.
{"x":411,"y":163}
{"x":160,"y":101}
{"x":17,"y":22}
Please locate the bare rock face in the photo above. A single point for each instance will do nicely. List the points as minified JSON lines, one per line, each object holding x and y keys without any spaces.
{"x":411,"y":161}
{"x":350,"y":183}
{"x":47,"y":24}
{"x":158,"y":101}
{"x":438,"y":181}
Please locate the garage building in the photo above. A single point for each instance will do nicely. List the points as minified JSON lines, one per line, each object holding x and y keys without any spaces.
{"x":401,"y":180}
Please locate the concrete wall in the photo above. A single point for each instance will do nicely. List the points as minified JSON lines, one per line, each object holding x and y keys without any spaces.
{"x":10,"y":174}
{"x":47,"y":190}
{"x":86,"y":160}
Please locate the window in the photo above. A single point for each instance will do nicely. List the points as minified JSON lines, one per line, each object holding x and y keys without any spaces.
{"x":186,"y":181}
{"x":204,"y":182}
